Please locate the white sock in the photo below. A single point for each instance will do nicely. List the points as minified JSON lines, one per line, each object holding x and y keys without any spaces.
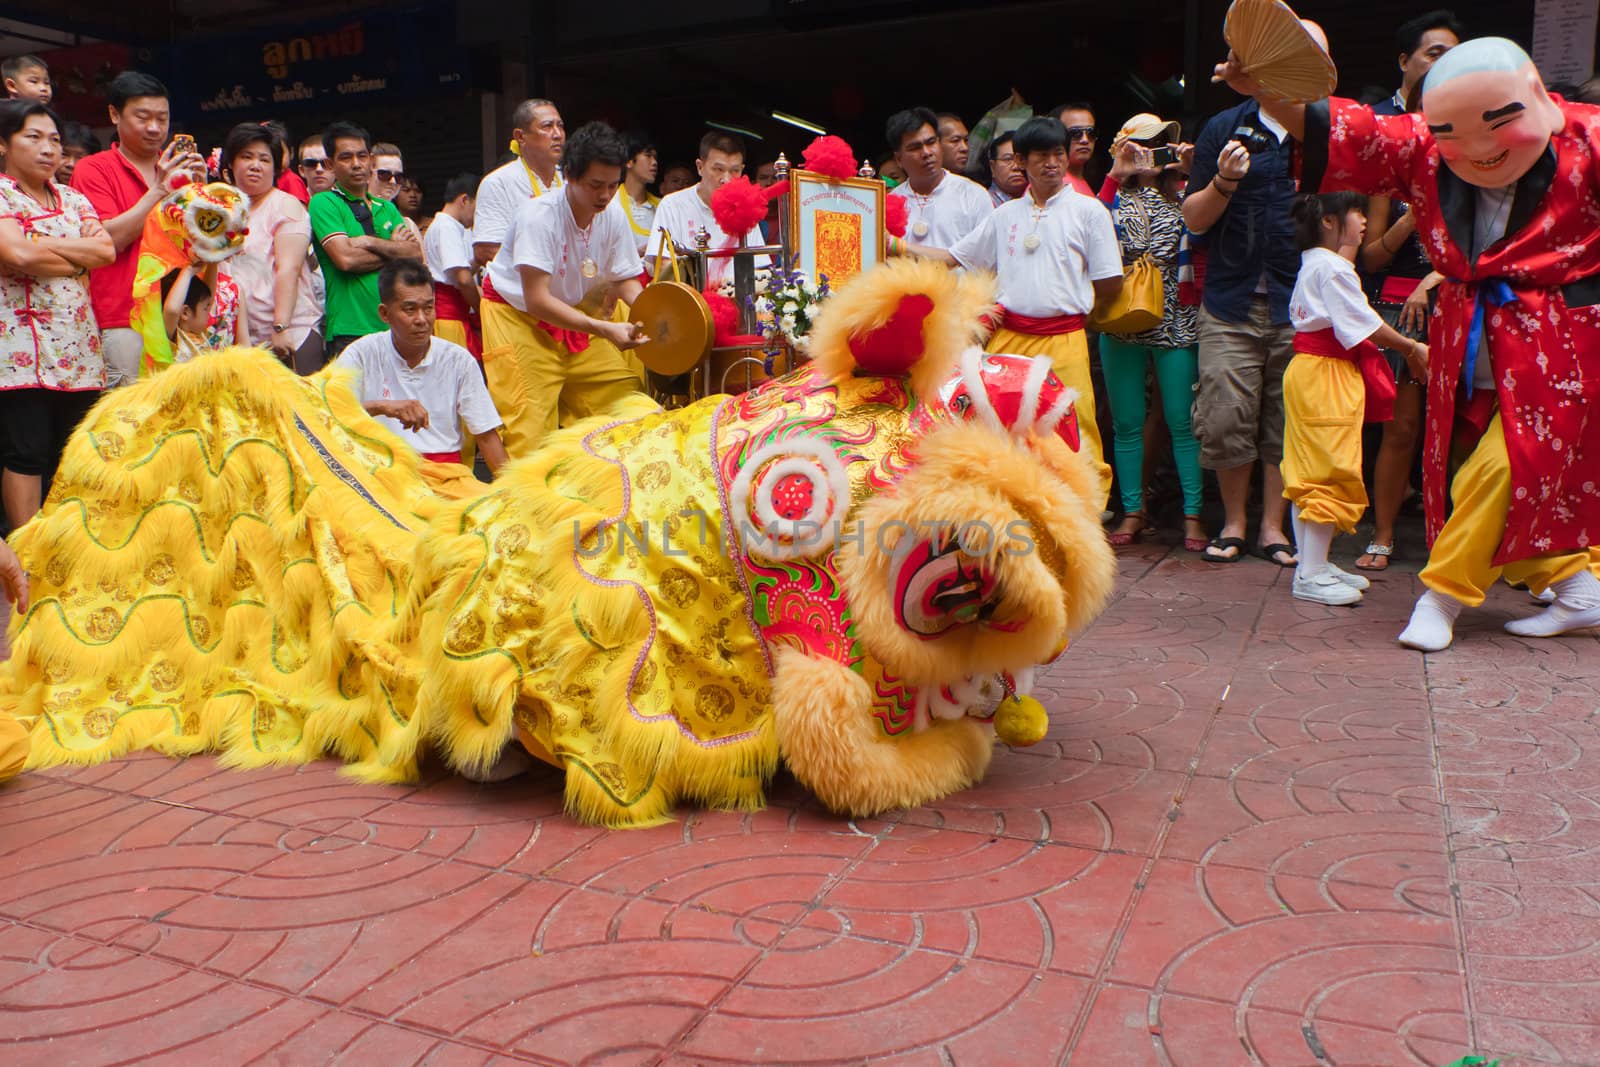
{"x":1315,"y":539}
{"x":1576,"y":607}
{"x":1433,"y":622}
{"x":1297,"y":522}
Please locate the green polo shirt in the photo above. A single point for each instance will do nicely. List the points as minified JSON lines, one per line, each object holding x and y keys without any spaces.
{"x":352,"y":299}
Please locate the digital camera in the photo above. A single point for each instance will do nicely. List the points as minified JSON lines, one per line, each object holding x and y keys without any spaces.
{"x":1254,"y":140}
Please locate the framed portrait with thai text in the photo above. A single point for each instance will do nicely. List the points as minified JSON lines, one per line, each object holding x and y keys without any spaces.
{"x":837,"y":225}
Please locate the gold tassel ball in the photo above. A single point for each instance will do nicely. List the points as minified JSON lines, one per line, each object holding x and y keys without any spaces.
{"x":1021,"y":721}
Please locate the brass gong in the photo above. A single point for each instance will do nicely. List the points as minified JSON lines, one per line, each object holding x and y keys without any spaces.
{"x":678,"y":322}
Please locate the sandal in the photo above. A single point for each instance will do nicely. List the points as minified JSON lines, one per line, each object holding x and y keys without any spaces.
{"x":1128,"y":537}
{"x":1194,"y":544}
{"x":1380,"y":557}
{"x":1217,"y":545}
{"x":1270,"y":553}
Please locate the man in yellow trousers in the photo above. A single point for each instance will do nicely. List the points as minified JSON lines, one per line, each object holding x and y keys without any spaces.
{"x":1055,"y":255}
{"x":546,"y":341}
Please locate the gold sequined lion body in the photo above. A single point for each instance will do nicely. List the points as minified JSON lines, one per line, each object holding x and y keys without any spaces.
{"x":854,"y":569}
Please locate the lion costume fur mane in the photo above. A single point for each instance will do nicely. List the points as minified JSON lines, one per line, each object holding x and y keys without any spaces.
{"x":237,"y":560}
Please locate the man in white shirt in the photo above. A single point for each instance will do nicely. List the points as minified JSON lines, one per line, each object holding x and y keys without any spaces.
{"x":684,"y":213}
{"x":420,"y":386}
{"x":545,"y":340}
{"x":1055,"y":254}
{"x":635,"y":194}
{"x":447,"y":247}
{"x":942,"y":208}
{"x":538,"y":140}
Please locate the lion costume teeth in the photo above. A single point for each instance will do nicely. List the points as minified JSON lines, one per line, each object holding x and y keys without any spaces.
{"x":846,"y":571}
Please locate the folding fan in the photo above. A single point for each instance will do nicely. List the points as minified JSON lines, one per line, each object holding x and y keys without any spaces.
{"x":1276,"y":50}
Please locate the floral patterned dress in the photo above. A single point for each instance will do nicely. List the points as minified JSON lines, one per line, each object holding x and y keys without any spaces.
{"x":48,"y":335}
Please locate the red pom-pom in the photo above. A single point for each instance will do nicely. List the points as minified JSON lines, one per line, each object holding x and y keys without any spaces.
{"x":724,"y":312}
{"x":725,"y":322}
{"x":896,"y":213}
{"x":831,"y":156}
{"x":894,"y":347}
{"x":738,"y":206}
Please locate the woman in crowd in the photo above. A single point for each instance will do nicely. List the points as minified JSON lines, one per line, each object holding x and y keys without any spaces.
{"x":1401,"y":282}
{"x":273,"y":272}
{"x":51,"y":367}
{"x":1150,"y":222}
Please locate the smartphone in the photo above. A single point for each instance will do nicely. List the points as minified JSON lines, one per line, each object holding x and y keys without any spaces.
{"x":1164,"y":156}
{"x":183,"y":143}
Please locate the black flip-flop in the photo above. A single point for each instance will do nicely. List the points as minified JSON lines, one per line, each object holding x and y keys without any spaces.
{"x":1267,"y":552}
{"x":1222,"y":544}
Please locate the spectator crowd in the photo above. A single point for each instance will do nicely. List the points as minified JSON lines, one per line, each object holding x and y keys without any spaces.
{"x":1155,"y":268}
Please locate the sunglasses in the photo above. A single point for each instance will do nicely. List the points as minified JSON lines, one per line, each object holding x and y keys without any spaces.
{"x":1086,"y":133}
{"x":390,"y":175}
{"x":313,"y":164}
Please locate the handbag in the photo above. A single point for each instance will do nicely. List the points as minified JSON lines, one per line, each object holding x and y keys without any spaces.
{"x":1141,"y":303}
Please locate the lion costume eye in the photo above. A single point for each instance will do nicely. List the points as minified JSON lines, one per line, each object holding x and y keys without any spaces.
{"x":789,"y":499}
{"x":939,"y":588}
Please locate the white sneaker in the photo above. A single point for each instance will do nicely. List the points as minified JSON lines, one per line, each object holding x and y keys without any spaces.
{"x":1354,"y":581}
{"x":1325,"y":587}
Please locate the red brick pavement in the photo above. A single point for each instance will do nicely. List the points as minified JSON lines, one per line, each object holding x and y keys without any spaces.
{"x":1259,"y":832}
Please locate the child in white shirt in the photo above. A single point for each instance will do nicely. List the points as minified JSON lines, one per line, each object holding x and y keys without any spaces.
{"x":1326,"y":393}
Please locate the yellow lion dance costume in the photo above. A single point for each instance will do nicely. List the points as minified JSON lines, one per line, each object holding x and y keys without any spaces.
{"x":855,"y":568}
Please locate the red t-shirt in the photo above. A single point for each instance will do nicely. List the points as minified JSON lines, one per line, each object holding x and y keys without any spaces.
{"x":1075,"y":182}
{"x":290,"y":183}
{"x":113,"y":185}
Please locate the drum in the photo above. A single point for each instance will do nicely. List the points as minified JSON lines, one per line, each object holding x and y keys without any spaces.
{"x":676,"y":319}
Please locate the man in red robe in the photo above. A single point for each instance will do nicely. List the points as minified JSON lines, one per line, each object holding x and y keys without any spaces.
{"x":1506,"y":189}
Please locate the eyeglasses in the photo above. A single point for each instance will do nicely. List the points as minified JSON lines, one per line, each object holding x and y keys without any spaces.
{"x":313,"y":164}
{"x":1085,"y":133}
{"x":389,"y":175}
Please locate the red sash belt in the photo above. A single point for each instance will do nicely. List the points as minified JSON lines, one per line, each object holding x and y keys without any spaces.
{"x":574,"y":341}
{"x":1397,"y":290}
{"x":1051,"y":326}
{"x":451,"y":306}
{"x":1368,"y":358}
{"x":443,"y":457}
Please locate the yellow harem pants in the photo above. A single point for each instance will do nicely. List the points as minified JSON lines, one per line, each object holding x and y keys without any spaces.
{"x":451,"y":330}
{"x":1324,"y":404}
{"x":1069,"y":355}
{"x":1461,"y":563}
{"x":531,"y":377}
{"x":456,"y":333}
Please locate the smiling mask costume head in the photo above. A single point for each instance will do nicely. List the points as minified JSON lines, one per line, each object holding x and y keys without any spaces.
{"x":1489,"y":112}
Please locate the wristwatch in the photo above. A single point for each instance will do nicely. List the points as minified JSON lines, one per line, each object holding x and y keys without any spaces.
{"x":278,"y":327}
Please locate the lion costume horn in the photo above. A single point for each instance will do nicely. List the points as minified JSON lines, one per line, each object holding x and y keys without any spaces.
{"x":913,"y":318}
